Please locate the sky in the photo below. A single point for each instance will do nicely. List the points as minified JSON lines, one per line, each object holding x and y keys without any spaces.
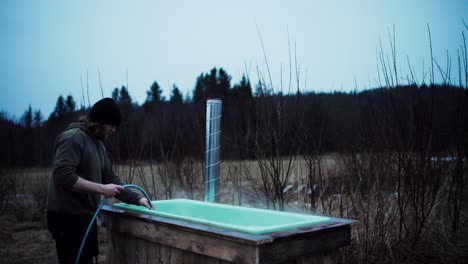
{"x":51,"y":48}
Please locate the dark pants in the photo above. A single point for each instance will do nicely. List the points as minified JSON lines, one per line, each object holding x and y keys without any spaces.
{"x":68,"y":231}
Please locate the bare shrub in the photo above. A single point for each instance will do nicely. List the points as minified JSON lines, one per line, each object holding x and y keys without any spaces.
{"x":277,"y":126}
{"x":191,"y":172}
{"x":406,"y":194}
{"x":234,"y":177}
{"x":7,"y":187}
{"x":39,"y":186}
{"x":400,"y":223}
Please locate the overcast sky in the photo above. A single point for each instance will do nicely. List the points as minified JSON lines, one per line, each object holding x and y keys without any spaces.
{"x":48,"y":47}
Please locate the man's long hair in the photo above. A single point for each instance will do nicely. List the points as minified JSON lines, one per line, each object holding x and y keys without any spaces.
{"x":96,"y":129}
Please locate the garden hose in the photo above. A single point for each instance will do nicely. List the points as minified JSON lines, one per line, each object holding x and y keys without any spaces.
{"x":99,"y":209}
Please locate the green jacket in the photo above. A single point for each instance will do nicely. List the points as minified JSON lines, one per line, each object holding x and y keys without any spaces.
{"x":78,"y":154}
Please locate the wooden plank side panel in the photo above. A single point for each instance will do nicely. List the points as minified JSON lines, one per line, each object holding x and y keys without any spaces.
{"x":214,"y":247}
{"x":141,"y":251}
{"x":130,"y":244}
{"x":153,"y":253}
{"x":178,"y":256}
{"x":109,"y":254}
{"x":325,"y":258}
{"x":134,"y":238}
{"x":284,"y":250}
{"x":329,"y":257}
{"x":165,"y":254}
{"x":127,"y":249}
{"x":116,"y":242}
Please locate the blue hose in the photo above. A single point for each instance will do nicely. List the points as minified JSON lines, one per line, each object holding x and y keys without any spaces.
{"x":99,"y":209}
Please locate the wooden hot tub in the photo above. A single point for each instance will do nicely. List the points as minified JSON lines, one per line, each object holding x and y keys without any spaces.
{"x":186,"y":231}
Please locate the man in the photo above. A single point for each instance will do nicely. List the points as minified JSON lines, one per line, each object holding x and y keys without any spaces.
{"x":82,"y":172}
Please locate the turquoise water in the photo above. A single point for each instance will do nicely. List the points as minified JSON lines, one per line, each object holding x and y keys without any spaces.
{"x":244,"y":219}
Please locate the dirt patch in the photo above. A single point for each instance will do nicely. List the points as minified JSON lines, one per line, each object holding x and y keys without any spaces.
{"x":29,"y":240}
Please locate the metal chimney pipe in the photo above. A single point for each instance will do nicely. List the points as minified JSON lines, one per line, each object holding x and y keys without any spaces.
{"x":213,"y":149}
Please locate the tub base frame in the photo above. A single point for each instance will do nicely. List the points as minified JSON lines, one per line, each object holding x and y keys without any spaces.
{"x":139,"y":238}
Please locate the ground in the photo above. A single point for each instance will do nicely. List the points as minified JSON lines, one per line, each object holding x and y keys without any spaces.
{"x":24,"y":238}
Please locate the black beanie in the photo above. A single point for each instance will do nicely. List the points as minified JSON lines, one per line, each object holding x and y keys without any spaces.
{"x":105,"y":111}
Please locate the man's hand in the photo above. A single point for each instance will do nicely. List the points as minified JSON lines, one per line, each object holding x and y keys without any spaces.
{"x":144,"y":202}
{"x":110,"y":190}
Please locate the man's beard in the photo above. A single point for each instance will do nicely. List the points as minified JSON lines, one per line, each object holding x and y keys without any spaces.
{"x":100,"y":135}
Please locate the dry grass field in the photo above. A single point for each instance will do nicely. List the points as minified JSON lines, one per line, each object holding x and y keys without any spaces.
{"x":364,"y":189}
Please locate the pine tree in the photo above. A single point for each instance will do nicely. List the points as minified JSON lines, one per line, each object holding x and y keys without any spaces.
{"x":60,"y":108}
{"x":70,"y":104}
{"x":176,"y":96}
{"x":154,"y":94}
{"x":27,"y":119}
{"x":37,"y":120}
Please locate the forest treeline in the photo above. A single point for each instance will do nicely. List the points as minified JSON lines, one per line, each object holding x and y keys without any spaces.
{"x":253,"y":115}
